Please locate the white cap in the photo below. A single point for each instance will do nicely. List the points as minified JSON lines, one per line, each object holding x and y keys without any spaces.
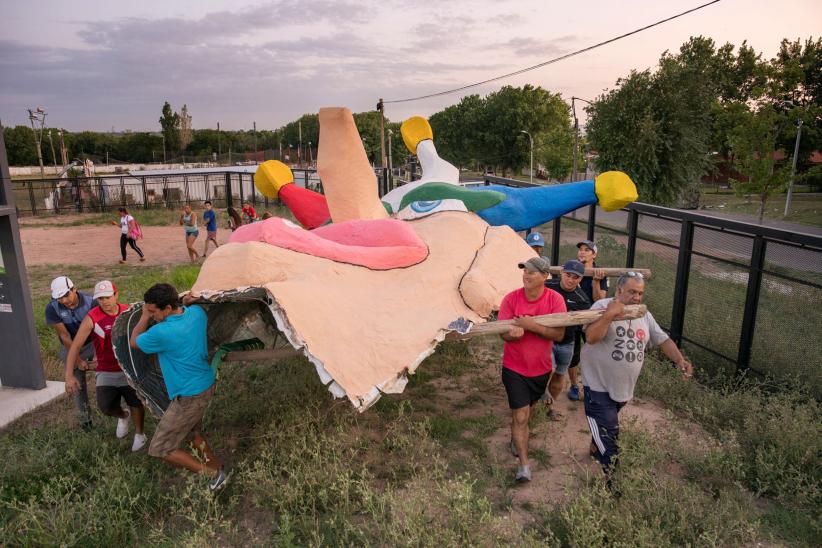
{"x":104,"y":289}
{"x":60,"y":286}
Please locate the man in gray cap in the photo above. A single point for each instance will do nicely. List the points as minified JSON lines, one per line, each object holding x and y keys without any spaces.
{"x":568,"y":348}
{"x":64,"y":313}
{"x":526,"y":357}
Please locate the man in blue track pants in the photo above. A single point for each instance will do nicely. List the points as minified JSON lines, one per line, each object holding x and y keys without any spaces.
{"x":612,"y":359}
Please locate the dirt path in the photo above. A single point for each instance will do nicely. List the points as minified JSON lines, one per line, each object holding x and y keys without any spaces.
{"x":100,"y":245}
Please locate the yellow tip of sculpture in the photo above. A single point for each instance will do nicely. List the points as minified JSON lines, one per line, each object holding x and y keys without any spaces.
{"x":614,"y":190}
{"x":271,"y":176}
{"x":414,"y":130}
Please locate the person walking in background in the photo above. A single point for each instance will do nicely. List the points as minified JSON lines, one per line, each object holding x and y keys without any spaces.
{"x":112,"y":385}
{"x":179,"y":338}
{"x":210,"y":220}
{"x":64,"y":313}
{"x":130,"y":232}
{"x":188,"y":220}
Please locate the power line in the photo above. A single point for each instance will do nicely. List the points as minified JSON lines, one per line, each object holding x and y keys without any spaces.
{"x":555,"y":60}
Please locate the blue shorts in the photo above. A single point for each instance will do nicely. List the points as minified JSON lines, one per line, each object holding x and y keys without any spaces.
{"x":563,"y":354}
{"x":195,"y":234}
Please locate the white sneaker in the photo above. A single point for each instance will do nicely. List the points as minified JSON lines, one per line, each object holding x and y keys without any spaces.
{"x":122,"y":425}
{"x":139,"y":442}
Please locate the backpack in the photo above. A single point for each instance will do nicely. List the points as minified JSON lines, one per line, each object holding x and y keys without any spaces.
{"x":137,"y":232}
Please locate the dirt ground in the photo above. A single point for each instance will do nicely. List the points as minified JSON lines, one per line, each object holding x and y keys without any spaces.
{"x":100,"y":245}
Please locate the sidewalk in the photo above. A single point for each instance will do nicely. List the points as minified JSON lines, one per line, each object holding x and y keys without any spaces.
{"x":16,"y":402}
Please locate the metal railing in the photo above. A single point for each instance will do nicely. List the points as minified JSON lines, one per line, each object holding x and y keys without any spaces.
{"x":741,"y":296}
{"x":167,"y":190}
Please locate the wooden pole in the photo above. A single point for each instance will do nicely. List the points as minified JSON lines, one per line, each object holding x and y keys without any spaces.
{"x":609,"y":272}
{"x":563,"y":319}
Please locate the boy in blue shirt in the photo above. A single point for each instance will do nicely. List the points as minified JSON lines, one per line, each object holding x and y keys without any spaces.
{"x":179,"y":339}
{"x":210,"y":220}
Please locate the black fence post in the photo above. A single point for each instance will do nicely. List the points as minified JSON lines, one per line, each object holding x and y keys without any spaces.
{"x":185,"y":185}
{"x":555,"y":241}
{"x":31,"y":197}
{"x":101,"y":191}
{"x":123,"y":201}
{"x":145,"y":192}
{"x":592,"y":221}
{"x":229,"y":199}
{"x":253,"y":191}
{"x":633,"y":224}
{"x":683,"y":271}
{"x":743,"y":357}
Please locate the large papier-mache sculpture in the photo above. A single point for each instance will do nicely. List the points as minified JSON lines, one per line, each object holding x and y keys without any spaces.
{"x":366,"y":288}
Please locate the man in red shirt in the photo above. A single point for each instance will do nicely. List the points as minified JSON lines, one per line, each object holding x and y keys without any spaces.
{"x":526,"y":357}
{"x":112,"y":384}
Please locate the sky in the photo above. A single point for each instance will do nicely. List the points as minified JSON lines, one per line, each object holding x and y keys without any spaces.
{"x":102,"y":65}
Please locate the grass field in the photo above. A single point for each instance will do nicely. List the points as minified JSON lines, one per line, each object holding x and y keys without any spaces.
{"x":806,"y":208}
{"x":737,"y":462}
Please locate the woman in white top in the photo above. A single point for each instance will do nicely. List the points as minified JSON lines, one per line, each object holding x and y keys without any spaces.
{"x":129,"y":233}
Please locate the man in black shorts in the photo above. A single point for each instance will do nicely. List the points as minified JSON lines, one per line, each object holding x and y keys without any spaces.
{"x":526,"y":358}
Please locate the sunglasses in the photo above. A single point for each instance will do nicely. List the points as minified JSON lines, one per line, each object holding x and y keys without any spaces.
{"x":632,"y":274}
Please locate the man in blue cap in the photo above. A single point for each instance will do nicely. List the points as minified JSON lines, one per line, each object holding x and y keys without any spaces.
{"x":568,"y":286}
{"x":536,"y":241}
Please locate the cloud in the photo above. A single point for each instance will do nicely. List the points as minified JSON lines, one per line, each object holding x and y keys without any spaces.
{"x":536,"y":47}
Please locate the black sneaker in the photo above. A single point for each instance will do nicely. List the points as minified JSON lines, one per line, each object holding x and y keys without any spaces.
{"x":218,"y":483}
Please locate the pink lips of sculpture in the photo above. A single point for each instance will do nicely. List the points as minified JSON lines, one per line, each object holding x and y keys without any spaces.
{"x":378,"y":244}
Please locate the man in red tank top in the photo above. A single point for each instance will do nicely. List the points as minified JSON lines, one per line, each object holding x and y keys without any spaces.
{"x":112,"y":385}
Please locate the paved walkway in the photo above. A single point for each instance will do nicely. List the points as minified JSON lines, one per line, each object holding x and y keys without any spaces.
{"x":16,"y":402}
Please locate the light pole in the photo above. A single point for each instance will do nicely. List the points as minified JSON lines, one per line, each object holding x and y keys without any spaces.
{"x":576,"y":132}
{"x":390,"y":156}
{"x":38,"y":115}
{"x":531,"y":140}
{"x":163,"y":135}
{"x":310,"y":155}
{"x":793,"y":167}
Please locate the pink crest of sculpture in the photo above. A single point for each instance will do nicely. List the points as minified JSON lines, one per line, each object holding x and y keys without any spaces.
{"x":379,"y":244}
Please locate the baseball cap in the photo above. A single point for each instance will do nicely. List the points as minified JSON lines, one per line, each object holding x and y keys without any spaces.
{"x":574,"y":267}
{"x":535,"y":238}
{"x":536,"y":264}
{"x":60,"y":286}
{"x":104,"y":289}
{"x":589,"y":243}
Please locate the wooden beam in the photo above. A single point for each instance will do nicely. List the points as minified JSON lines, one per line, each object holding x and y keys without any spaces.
{"x":609,"y":272}
{"x":563,"y":319}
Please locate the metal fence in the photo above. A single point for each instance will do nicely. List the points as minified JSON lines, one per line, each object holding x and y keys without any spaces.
{"x":152,"y":191}
{"x":734,"y":295}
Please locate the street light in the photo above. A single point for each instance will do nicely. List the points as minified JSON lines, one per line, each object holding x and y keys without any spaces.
{"x":390,"y":156}
{"x":576,"y":132}
{"x":531,"y":177}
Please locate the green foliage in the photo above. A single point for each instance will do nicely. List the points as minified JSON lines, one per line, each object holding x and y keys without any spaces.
{"x":753,"y":144}
{"x":20,"y":147}
{"x":170,"y":126}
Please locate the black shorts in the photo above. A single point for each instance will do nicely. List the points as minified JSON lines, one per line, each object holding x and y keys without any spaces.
{"x":108,"y":398}
{"x":578,"y":338}
{"x":523,"y":391}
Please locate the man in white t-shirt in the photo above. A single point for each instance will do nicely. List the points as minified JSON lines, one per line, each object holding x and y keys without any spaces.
{"x":612,"y":358}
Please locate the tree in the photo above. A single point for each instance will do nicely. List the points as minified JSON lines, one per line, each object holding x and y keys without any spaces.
{"x":170,"y":126}
{"x":507,"y":113}
{"x":456,"y":130}
{"x":657,"y":126}
{"x":20,"y":146}
{"x":754,"y":145}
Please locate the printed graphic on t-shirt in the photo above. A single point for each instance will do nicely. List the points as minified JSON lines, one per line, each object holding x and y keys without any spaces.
{"x":629,"y":346}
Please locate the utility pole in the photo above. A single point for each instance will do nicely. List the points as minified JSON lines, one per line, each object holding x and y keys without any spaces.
{"x":38,"y":115}
{"x":53,"y":155}
{"x":390,"y":159}
{"x":219,"y":145}
{"x":381,"y":109}
{"x":63,"y":150}
{"x":256,"y":161}
{"x":793,"y":167}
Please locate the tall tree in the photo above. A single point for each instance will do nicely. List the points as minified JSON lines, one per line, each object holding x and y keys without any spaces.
{"x":754,"y":142}
{"x":456,"y":130}
{"x":170,"y":126}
